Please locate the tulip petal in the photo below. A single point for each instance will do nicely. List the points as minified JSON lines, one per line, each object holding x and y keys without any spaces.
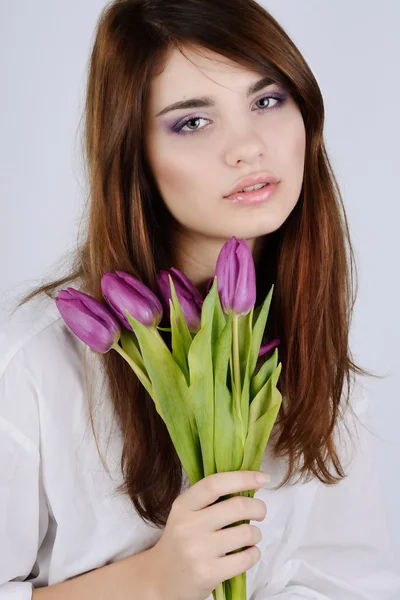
{"x":232,"y":271}
{"x":124,"y":292}
{"x":188,"y":296}
{"x":187,"y":286}
{"x":267,"y":347}
{"x":245,"y":293}
{"x":99,"y":311}
{"x":88,"y":319}
{"x":222,"y":273}
{"x":141,"y":289}
{"x":236,"y":277}
{"x":164,"y":288}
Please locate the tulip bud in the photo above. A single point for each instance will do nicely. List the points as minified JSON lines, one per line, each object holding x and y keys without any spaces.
{"x":236,"y":277}
{"x":188,"y":295}
{"x":270,"y":346}
{"x":89,"y":319}
{"x":124,"y":292}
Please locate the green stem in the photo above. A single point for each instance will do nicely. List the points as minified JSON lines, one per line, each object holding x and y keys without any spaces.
{"x":236,"y":366}
{"x":154,"y":331}
{"x":238,"y":587}
{"x":219,"y":593}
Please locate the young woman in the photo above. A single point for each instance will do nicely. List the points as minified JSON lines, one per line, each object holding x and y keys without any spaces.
{"x":188,"y":101}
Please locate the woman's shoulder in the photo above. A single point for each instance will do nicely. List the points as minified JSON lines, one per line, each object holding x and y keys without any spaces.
{"x":34,"y":335}
{"x":41,"y":364}
{"x":23,"y":326}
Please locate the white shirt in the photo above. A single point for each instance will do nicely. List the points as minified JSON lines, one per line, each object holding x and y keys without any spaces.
{"x":60,"y":516}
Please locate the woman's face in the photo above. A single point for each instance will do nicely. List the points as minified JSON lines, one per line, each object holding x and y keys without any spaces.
{"x":196,"y":164}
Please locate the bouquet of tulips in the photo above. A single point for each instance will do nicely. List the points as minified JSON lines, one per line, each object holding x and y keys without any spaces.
{"x":218,"y":410}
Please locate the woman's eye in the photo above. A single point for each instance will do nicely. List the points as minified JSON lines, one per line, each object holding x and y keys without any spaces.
{"x":269,"y":98}
{"x":271,"y":104}
{"x":190,"y":121}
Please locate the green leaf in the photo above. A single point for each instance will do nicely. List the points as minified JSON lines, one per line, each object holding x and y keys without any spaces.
{"x":183,"y":329}
{"x":233,"y":395}
{"x":245,"y":366}
{"x":178,"y":350}
{"x":227,"y":426}
{"x":244,"y":402}
{"x":219,"y":318}
{"x":232,"y":379}
{"x":228,"y":453}
{"x":258,"y":331}
{"x":263,"y":399}
{"x":222,"y":353}
{"x":129,"y":344}
{"x":245,"y":338}
{"x":256,"y":312}
{"x":211,"y":305}
{"x":259,"y":434}
{"x":201,"y":388}
{"x":171,"y":393}
{"x":264,"y":373}
{"x":134,"y":360}
{"x":263,"y":413}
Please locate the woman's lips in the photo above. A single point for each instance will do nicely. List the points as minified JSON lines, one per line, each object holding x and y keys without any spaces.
{"x":254,"y":197}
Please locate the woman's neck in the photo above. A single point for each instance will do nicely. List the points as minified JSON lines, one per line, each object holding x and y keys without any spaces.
{"x":197,"y":256}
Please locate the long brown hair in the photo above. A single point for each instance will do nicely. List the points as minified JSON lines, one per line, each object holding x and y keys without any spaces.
{"x":309,"y":258}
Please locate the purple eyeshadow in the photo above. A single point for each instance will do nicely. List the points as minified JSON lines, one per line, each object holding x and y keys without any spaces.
{"x":175,"y":127}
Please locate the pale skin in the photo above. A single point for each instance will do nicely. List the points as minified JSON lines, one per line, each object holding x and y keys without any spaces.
{"x":238,"y":136}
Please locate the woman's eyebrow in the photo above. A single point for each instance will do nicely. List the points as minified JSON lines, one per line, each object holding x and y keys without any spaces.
{"x":207,"y":101}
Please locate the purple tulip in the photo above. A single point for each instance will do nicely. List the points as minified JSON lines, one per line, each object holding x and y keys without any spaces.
{"x":236,"y":277}
{"x":89,"y":319}
{"x":189,"y":296}
{"x":267,"y":347}
{"x":124,"y":292}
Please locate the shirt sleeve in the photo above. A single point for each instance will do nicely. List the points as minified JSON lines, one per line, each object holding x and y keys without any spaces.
{"x":346,"y":552}
{"x":20,"y":533}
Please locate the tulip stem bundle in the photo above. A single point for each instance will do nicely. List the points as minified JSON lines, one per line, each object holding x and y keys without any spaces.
{"x":218,"y":411}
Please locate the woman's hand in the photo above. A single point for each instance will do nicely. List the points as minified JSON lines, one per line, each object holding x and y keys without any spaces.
{"x":189,"y":559}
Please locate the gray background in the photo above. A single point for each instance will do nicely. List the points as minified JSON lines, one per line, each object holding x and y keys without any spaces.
{"x":353,"y":49}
